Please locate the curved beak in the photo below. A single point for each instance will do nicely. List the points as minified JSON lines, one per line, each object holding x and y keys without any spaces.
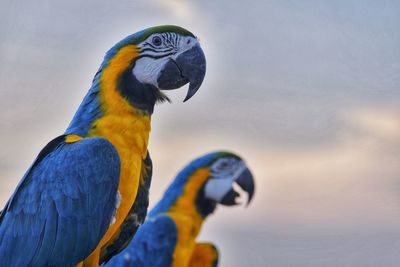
{"x":246,"y":182}
{"x":223,"y":192}
{"x":188,"y":67}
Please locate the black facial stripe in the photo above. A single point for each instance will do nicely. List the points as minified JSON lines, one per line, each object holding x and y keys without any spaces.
{"x":174,"y":38}
{"x":157,"y":51}
{"x":155,"y":57}
{"x":170,"y":42}
{"x":165,"y":42}
{"x":167,"y":38}
{"x":170,"y":37}
{"x":150,"y":52}
{"x":164,"y":39}
{"x":149,"y":44}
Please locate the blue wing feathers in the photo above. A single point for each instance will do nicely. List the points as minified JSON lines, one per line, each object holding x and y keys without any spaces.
{"x":152,"y":246}
{"x":63,"y":205}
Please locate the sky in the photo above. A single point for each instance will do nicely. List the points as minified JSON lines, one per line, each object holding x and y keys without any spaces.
{"x":307,"y":92}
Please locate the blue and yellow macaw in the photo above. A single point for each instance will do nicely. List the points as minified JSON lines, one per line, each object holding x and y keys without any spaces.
{"x":168,"y":236}
{"x":85,"y":185}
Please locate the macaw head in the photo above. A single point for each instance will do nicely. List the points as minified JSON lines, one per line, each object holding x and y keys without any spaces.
{"x":226,"y":171}
{"x":156,"y":59}
{"x":215,"y":178}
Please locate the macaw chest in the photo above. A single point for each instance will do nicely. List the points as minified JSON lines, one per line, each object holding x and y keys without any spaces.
{"x":132,"y":152}
{"x":188,"y":228}
{"x":129,"y":135}
{"x":129,"y":182}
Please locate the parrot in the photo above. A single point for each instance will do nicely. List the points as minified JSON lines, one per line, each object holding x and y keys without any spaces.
{"x":90,"y":181}
{"x":168,"y":235}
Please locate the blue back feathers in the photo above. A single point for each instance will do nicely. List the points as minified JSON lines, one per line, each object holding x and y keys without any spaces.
{"x":63,"y":205}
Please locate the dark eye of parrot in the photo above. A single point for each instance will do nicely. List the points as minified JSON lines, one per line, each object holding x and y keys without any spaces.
{"x":156,"y":41}
{"x":223,"y":165}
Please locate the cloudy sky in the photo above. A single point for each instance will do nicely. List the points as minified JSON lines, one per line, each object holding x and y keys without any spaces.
{"x":308,"y":92}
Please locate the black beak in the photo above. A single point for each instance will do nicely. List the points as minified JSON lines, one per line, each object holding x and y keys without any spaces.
{"x":188,"y":67}
{"x":246,"y":182}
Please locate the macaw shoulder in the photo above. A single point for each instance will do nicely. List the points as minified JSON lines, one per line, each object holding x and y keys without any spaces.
{"x":74,"y":153}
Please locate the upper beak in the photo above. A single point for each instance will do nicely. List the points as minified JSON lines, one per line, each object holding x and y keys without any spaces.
{"x":190,"y":66}
{"x":246,"y":182}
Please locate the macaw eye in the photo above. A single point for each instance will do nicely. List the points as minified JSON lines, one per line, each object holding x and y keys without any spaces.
{"x":223,"y":165}
{"x":156,"y":41}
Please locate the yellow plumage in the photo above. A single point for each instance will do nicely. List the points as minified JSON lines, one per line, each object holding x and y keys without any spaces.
{"x":187,"y":218}
{"x":204,"y":255}
{"x":128,"y":130}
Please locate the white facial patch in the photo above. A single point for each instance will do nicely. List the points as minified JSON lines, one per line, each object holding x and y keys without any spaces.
{"x":147,"y":70}
{"x":185,"y":43}
{"x":154,"y":55}
{"x":216,"y":189}
{"x":224,"y":174}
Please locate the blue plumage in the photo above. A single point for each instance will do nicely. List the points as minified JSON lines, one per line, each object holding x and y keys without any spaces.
{"x":155,"y":243}
{"x":56,"y":217}
{"x":64,"y":204}
{"x":89,"y":110}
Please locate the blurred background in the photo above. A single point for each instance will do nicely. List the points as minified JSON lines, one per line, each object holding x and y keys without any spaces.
{"x":308,"y":92}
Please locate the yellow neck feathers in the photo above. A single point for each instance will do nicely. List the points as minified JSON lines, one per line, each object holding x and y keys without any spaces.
{"x":187,"y":218}
{"x":128,"y":130}
{"x":110,"y":98}
{"x":186,"y":203}
{"x":121,"y":123}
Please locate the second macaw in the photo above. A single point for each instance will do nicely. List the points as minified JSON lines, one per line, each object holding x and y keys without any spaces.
{"x":168,"y":236}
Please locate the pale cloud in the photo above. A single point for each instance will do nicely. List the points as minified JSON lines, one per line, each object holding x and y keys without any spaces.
{"x":381,"y":123}
{"x":179,"y":8}
{"x":348,"y":182}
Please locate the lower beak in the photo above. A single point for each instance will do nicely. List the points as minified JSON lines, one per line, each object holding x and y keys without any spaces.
{"x":245,"y":182}
{"x":190,"y":66}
